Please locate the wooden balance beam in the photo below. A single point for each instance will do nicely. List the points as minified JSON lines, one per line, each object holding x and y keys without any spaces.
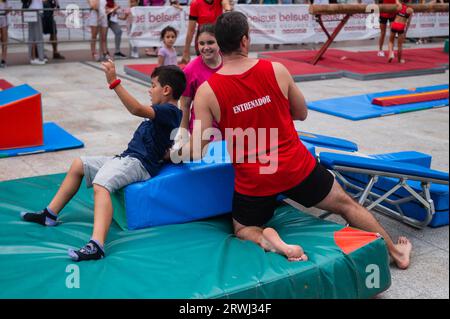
{"x":350,"y":9}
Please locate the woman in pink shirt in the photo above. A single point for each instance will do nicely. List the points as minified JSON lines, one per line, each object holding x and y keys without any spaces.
{"x":198,"y":71}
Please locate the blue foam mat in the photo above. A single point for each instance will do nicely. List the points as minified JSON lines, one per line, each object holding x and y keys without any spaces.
{"x":55,"y":139}
{"x":333,"y":159}
{"x":360,"y":107}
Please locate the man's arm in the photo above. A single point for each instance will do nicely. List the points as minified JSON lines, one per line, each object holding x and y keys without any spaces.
{"x":187,"y":45}
{"x":226,"y":5}
{"x":298,"y":108}
{"x":132,"y":105}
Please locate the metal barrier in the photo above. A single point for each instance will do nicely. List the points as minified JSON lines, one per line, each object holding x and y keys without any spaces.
{"x":18,"y":18}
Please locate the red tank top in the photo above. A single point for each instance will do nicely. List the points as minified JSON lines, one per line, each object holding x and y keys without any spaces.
{"x":253,"y":101}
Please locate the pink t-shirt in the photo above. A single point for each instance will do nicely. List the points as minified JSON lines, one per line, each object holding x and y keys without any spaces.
{"x":196,"y":73}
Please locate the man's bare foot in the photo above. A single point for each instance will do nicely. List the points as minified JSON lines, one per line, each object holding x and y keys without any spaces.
{"x":272,"y":242}
{"x":403,"y":254}
{"x":402,"y":61}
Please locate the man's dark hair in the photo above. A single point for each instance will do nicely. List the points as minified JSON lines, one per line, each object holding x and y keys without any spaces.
{"x":172,"y":76}
{"x":168,"y":29}
{"x":231,"y":27}
{"x":207,"y":28}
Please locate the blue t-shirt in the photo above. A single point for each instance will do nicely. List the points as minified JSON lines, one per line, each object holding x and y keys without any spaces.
{"x":151,"y":140}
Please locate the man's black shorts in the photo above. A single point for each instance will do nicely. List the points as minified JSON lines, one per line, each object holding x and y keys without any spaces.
{"x":257,"y":211}
{"x":384,"y":20}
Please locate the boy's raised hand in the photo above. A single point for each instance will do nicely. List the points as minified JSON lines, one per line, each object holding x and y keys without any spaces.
{"x":110,"y":71}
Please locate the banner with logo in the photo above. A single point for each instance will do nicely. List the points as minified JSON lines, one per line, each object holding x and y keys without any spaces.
{"x":269,"y":24}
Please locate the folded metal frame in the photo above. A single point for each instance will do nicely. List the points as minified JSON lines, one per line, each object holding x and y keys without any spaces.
{"x":373,"y":201}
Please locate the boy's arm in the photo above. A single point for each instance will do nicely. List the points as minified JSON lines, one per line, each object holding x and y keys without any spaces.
{"x":132,"y":105}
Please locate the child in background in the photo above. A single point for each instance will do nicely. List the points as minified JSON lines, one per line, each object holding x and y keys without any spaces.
{"x":167,"y":55}
{"x":126,"y":15}
{"x":198,"y":71}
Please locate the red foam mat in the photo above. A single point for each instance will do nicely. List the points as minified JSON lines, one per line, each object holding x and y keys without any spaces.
{"x":367,"y":62}
{"x":5,"y":84}
{"x":411,"y":98}
{"x":300,"y":68}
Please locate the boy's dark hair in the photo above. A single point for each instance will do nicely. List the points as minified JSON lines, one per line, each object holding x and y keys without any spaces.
{"x":230,"y":28}
{"x":172,"y":76}
{"x":207,"y":28}
{"x":168,"y":29}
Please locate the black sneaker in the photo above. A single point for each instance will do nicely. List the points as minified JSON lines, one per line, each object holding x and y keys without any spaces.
{"x":43,"y":218}
{"x":3,"y":64}
{"x":119,"y":55}
{"x":91,"y":251}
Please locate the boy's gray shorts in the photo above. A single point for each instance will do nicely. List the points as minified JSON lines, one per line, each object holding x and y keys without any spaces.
{"x":113,"y":173}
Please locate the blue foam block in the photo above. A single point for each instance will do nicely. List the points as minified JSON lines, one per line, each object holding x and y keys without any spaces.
{"x":328,"y":141}
{"x":183,"y":193}
{"x":16,"y":93}
{"x":332,"y":159}
{"x":411,"y":157}
{"x":55,"y":139}
{"x":360,"y":107}
{"x":439,"y":193}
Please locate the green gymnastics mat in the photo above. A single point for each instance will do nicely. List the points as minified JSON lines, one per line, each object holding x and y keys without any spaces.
{"x":201,"y":259}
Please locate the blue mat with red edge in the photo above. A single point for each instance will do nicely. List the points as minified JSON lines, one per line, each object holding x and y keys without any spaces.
{"x":360,"y":107}
{"x":55,"y":139}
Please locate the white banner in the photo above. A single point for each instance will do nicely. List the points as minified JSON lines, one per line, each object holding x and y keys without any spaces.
{"x":269,"y":24}
{"x":278,"y":24}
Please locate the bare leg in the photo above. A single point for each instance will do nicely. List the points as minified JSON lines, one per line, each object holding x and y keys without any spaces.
{"x":103,"y":39}
{"x":69,"y":187}
{"x":103,"y":212}
{"x":401,"y":40}
{"x":4,"y":40}
{"x":269,"y":240}
{"x":391,"y":46}
{"x":94,"y":32}
{"x":33,"y":51}
{"x":53,"y":40}
{"x":341,"y":203}
{"x":382,"y":36}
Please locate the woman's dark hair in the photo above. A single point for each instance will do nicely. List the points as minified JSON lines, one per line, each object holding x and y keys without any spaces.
{"x":172,"y":76}
{"x":230,"y":28}
{"x":207,"y":28}
{"x":168,"y":29}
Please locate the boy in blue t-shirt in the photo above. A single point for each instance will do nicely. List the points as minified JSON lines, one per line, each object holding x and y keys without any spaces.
{"x":140,"y":161}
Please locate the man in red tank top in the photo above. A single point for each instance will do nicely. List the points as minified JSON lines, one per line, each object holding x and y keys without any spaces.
{"x":248,"y":98}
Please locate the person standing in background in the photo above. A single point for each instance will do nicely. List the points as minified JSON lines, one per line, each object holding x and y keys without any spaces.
{"x":35,"y":35}
{"x":49,"y":26}
{"x":202,"y":12}
{"x":98,"y":22}
{"x":3,"y":31}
